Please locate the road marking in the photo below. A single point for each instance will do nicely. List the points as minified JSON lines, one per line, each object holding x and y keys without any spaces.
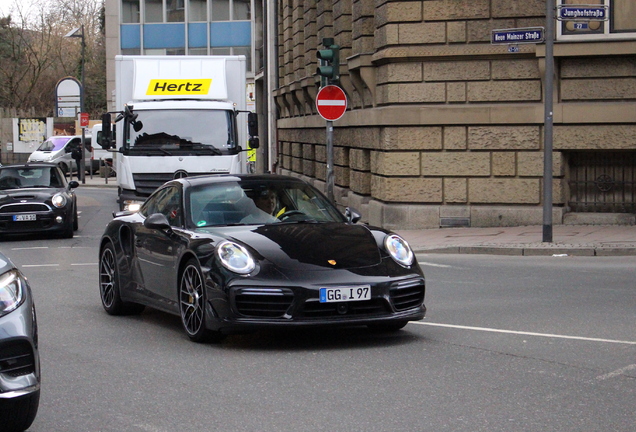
{"x":84,"y":264}
{"x":549,"y":335}
{"x":41,"y":265}
{"x":30,"y":248}
{"x":424,"y":263}
{"x":617,"y":372}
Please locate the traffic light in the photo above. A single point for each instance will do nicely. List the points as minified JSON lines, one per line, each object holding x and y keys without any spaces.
{"x":329,"y":69}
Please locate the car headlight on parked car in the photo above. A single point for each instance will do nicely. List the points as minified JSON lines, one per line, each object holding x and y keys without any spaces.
{"x":59,"y":200}
{"x":11,"y":291}
{"x":399,"y":249}
{"x":235,"y":257}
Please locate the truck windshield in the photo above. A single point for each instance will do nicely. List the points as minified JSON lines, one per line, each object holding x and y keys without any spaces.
{"x":191,"y":131}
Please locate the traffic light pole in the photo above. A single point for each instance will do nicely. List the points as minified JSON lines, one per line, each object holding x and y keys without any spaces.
{"x":329,"y":72}
{"x":330,"y":173}
{"x":548,"y":122}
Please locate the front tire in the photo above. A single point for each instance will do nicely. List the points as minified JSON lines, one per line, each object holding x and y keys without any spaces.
{"x":109,"y":285}
{"x":18,"y":414}
{"x":75,"y":219}
{"x":192,"y":304}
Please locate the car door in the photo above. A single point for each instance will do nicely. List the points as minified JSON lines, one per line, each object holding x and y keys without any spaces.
{"x":157,"y":250}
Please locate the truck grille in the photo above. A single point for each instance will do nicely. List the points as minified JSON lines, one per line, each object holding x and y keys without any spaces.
{"x":147,"y":183}
{"x":407,"y":294}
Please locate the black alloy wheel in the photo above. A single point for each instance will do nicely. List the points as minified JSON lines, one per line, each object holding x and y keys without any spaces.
{"x":109,"y":285}
{"x":192,"y":304}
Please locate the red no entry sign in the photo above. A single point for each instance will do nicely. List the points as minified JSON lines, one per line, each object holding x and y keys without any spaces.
{"x":331,"y":102}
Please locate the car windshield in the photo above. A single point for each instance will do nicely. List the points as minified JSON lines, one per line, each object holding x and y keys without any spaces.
{"x":162,"y":130}
{"x":35,"y":177}
{"x":53,"y":144}
{"x":257,"y":202}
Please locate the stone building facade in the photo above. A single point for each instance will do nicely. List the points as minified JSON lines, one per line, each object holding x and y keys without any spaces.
{"x":445,"y":129}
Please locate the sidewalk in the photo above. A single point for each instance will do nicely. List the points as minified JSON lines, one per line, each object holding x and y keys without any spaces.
{"x":582,"y":240}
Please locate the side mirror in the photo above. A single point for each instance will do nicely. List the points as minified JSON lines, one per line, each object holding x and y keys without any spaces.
{"x":157,"y":221}
{"x":253,"y":143}
{"x":73,"y":184}
{"x":352,"y":215}
{"x":252,"y":125}
{"x":105,"y":139}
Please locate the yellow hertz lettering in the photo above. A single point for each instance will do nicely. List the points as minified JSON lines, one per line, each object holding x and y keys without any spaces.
{"x":179,"y":87}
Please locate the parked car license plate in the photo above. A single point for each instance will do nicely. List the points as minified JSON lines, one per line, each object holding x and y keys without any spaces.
{"x":24,"y":217}
{"x":343,"y":294}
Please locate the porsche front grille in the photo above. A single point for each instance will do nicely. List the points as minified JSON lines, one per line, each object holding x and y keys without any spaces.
{"x":407,"y":294}
{"x":315,"y":309}
{"x":16,"y":359}
{"x":263,"y":302}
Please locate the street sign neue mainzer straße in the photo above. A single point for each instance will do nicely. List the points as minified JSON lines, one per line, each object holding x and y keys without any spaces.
{"x":517,"y":35}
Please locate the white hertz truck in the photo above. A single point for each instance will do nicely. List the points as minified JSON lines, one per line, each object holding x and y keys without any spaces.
{"x":177,"y":116}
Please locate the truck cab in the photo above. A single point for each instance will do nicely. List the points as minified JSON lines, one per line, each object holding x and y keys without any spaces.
{"x":177,"y":116}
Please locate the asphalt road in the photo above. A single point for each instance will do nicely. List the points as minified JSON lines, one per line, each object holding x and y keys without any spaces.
{"x":509,"y":344}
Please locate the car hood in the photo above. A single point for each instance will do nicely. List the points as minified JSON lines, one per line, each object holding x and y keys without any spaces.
{"x":29,"y":194}
{"x":317,"y":245}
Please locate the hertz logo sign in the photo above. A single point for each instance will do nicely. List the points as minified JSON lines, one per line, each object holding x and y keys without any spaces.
{"x":179,"y":86}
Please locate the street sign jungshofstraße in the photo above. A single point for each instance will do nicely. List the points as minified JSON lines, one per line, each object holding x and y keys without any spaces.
{"x":517,"y":35}
{"x":582,"y":13}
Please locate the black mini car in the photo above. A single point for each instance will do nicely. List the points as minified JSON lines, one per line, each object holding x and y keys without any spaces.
{"x":36,"y":198}
{"x":19,"y":358}
{"x":234,"y":253}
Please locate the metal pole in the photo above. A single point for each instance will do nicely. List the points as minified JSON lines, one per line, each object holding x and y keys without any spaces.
{"x":330,"y":175}
{"x":548,"y":122}
{"x":82,"y":167}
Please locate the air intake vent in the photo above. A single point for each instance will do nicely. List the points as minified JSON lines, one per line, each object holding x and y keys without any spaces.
{"x":16,"y":359}
{"x":408,"y":294}
{"x":263,"y":302}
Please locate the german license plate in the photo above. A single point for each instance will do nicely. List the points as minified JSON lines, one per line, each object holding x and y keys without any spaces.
{"x":345,"y":294}
{"x":24,"y":217}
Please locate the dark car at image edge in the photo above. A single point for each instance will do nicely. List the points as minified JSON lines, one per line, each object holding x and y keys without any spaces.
{"x":19,"y":357}
{"x":200,"y":248}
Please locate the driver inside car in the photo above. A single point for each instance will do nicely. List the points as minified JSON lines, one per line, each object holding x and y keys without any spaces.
{"x":266,"y":202}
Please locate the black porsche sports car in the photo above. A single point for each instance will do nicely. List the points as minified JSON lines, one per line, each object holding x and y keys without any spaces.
{"x":235,"y":253}
{"x":19,"y":357}
{"x":36,"y":198}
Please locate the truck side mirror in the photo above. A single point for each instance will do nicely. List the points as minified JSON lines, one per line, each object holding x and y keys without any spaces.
{"x":105,"y":140}
{"x":252,"y":125}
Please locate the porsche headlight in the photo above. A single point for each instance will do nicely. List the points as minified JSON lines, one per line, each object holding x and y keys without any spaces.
{"x":11,"y":291}
{"x":235,"y":257}
{"x":59,"y":200}
{"x":399,"y":249}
